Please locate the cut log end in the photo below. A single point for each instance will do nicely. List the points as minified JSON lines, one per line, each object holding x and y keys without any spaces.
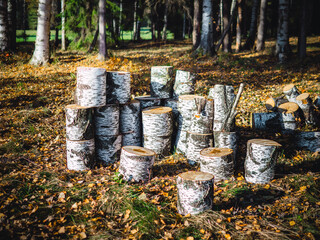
{"x":264,"y":142}
{"x":289,"y":107}
{"x":157,"y":110}
{"x":216,"y":152}
{"x":288,"y":87}
{"x":140,"y":151}
{"x":270,"y":103}
{"x":190,"y":97}
{"x":196,"y":176}
{"x":303,"y":97}
{"x":76,"y":106}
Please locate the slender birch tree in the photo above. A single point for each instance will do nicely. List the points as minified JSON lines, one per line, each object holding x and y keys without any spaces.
{"x":282,"y":45}
{"x":41,"y":54}
{"x":4,"y":31}
{"x":196,"y":24}
{"x":165,"y":20}
{"x":102,"y":56}
{"x":261,"y":27}
{"x":12,"y":23}
{"x":63,"y":26}
{"x":239,"y":27}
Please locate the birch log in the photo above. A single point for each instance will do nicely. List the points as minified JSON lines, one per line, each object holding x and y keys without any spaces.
{"x":289,"y":113}
{"x":79,"y":123}
{"x":273,"y":103}
{"x":106,"y":120}
{"x":305,"y":103}
{"x":217,"y":161}
{"x":130,"y":119}
{"x":173,"y":104}
{"x":80,"y":154}
{"x":226,"y":140}
{"x":317,"y":102}
{"x":195,"y":143}
{"x":202,"y":119}
{"x":161,"y":145}
{"x":195,"y":192}
{"x":91,"y":87}
{"x":308,"y":140}
{"x":260,"y":160}
{"x":223,"y":99}
{"x":136,"y":163}
{"x":181,"y":141}
{"x":132,"y":139}
{"x":148,"y":101}
{"x":211,"y":93}
{"x":108,"y":149}
{"x":161,"y":81}
{"x":157,"y":121}
{"x":270,"y":121}
{"x":118,"y":87}
{"x":291,"y":92}
{"x":184,"y":83}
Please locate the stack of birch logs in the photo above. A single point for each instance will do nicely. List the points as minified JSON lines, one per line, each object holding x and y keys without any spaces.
{"x":287,"y":112}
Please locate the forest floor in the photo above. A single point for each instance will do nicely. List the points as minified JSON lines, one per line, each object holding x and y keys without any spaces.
{"x":40,"y":198}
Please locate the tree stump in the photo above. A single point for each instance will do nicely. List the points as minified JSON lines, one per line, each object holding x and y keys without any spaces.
{"x":305,"y":103}
{"x":181,"y":141}
{"x":291,"y":92}
{"x":195,"y":143}
{"x":148,"y":101}
{"x":130,"y":124}
{"x":289,"y":114}
{"x":118,"y":87}
{"x":161,"y":81}
{"x":91,"y":87}
{"x":260,"y":160}
{"x":202,"y":119}
{"x":157,"y":129}
{"x":108,"y":149}
{"x":136,"y":163}
{"x":173,"y":104}
{"x":217,"y":161}
{"x":195,"y":192}
{"x":223,"y":100}
{"x":308,"y":140}
{"x":269,"y":121}
{"x":79,"y":123}
{"x":226,"y":140}
{"x":106,"y":120}
{"x":80,"y":154}
{"x":184,"y":83}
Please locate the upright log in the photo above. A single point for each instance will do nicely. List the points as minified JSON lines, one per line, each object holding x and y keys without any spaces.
{"x":218,"y":162}
{"x":108,"y":149}
{"x":305,"y":103}
{"x":195,"y":192}
{"x":260,"y":160}
{"x":80,"y":154}
{"x":289,"y":114}
{"x":118,"y":87}
{"x":202,"y":118}
{"x":148,"y":101}
{"x":181,"y":141}
{"x":136,"y":163}
{"x":173,"y":104}
{"x":184,"y":83}
{"x":291,"y":92}
{"x":79,"y":122}
{"x":161,"y":81}
{"x":308,"y":140}
{"x":161,"y":145}
{"x":106,"y":120}
{"x":226,"y":140}
{"x":195,"y":143}
{"x":91,"y":87}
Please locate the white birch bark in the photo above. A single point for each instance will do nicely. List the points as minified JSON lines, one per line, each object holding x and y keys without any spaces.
{"x":80,"y":154}
{"x":305,"y":103}
{"x":157,"y":121}
{"x":41,"y":54}
{"x":161,"y":81}
{"x":173,"y":104}
{"x":106,"y":120}
{"x":130,"y":118}
{"x":181,"y":141}
{"x":136,"y":163}
{"x":118,"y":87}
{"x":131,"y":139}
{"x":217,"y":161}
{"x":63,"y":26}
{"x":195,"y":143}
{"x":282,"y":44}
{"x":289,"y":113}
{"x":308,"y":140}
{"x":211,"y":93}
{"x":202,"y":122}
{"x":4,"y":26}
{"x":260,"y":160}
{"x":79,"y":123}
{"x":91,"y":87}
{"x":270,"y":121}
{"x":161,"y":145}
{"x":195,"y":192}
{"x":291,"y":92}
{"x":184,"y":83}
{"x":148,"y":101}
{"x":108,"y":149}
{"x":226,"y":140}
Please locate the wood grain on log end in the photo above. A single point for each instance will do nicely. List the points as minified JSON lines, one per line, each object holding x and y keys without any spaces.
{"x":140,"y":151}
{"x":264,"y":142}
{"x":289,"y":107}
{"x":216,"y":152}
{"x":288,"y":87}
{"x":196,"y":176}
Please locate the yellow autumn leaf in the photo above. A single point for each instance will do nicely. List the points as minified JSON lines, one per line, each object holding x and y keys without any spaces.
{"x":292,"y":223}
{"x":126,"y":216}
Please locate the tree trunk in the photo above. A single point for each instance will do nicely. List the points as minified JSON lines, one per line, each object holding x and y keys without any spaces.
{"x":108,"y":149}
{"x":161,"y":145}
{"x":80,"y":154}
{"x":289,"y":114}
{"x":41,"y":54}
{"x":272,"y":104}
{"x":202,"y":119}
{"x":239,"y":26}
{"x":4,"y":31}
{"x":302,"y":41}
{"x":282,"y":45}
{"x":291,"y":92}
{"x":196,"y":24}
{"x":91,"y":87}
{"x":79,"y":123}
{"x":135,"y":23}
{"x":102,"y":56}
{"x":260,"y":160}
{"x":173,"y":104}
{"x":206,"y":46}
{"x":181,"y":141}
{"x":195,"y":192}
{"x":161,"y":81}
{"x":130,"y":124}
{"x":12,"y":23}
{"x":218,"y":162}
{"x":120,"y":18}
{"x":106,"y":120}
{"x":308,"y":140}
{"x":63,"y":26}
{"x":253,"y":26}
{"x":118,"y":87}
{"x":305,"y":103}
{"x":148,"y":101}
{"x":94,"y":40}
{"x":226,"y":19}
{"x":136,"y":163}
{"x":165,"y":21}
{"x":261,"y":28}
{"x":226,"y":140}
{"x":195,"y":143}
{"x":184,"y":83}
